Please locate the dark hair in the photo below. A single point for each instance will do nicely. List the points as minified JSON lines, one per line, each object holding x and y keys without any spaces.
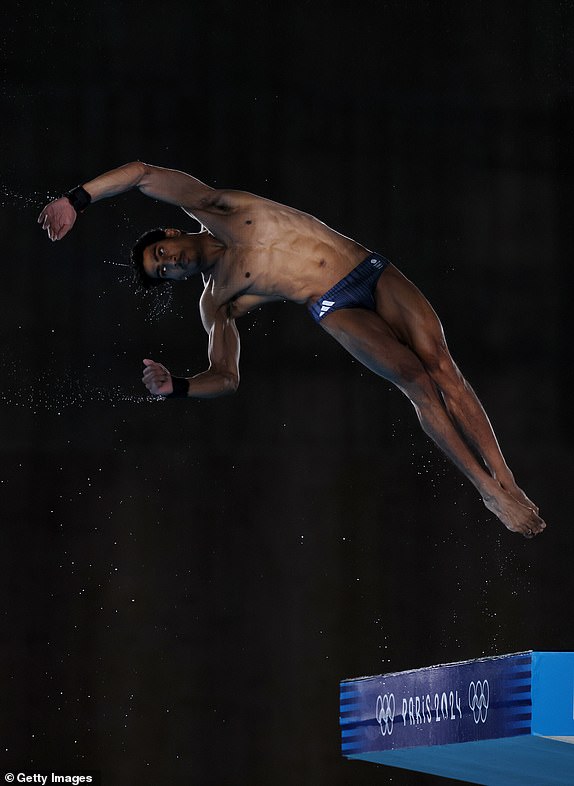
{"x":140,"y":276}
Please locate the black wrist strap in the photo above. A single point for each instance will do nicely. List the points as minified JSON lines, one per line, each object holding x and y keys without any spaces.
{"x":78,"y":198}
{"x":180,"y":387}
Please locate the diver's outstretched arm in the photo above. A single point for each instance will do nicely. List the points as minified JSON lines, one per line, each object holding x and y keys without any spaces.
{"x":166,"y":185}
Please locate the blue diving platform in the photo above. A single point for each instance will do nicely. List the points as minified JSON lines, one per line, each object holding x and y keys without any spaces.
{"x":506,"y":720}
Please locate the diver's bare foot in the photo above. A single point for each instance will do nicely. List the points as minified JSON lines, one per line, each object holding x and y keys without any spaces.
{"x":515,"y":516}
{"x":516,"y":492}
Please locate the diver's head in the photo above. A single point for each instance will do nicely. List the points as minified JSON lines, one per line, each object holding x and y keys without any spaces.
{"x":162,"y":255}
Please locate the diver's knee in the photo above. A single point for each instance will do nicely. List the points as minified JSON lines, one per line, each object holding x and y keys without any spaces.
{"x":441,"y":367}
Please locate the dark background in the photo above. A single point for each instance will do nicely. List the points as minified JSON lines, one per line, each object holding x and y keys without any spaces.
{"x":185,"y":583}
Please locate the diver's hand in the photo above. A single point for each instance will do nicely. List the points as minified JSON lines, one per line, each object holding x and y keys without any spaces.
{"x":57,"y":218}
{"x":157,"y":378}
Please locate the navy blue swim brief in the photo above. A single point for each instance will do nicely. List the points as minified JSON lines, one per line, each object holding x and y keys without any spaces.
{"x":356,"y":290}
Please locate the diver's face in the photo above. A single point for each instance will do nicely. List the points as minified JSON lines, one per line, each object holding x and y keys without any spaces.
{"x":172,"y":259}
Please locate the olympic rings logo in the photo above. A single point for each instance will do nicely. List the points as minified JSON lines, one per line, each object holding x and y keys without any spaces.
{"x":478,"y":698}
{"x":385,"y":713}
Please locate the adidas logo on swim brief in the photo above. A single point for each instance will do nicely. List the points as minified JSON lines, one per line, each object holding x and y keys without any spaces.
{"x":376,"y":262}
{"x":325,"y":306}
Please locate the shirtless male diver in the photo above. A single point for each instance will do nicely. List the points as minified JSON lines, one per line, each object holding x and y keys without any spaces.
{"x":252,"y":250}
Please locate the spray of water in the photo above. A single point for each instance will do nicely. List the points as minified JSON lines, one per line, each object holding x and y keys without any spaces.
{"x":31,"y":199}
{"x":53,"y":392}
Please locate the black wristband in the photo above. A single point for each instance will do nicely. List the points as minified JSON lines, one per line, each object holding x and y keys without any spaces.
{"x":78,"y":198}
{"x":180,"y":387}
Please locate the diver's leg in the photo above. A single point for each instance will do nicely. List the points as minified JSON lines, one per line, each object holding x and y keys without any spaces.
{"x":371,"y":341}
{"x":415,"y":322}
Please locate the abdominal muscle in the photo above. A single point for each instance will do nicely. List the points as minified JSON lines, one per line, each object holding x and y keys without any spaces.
{"x":287,"y":255}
